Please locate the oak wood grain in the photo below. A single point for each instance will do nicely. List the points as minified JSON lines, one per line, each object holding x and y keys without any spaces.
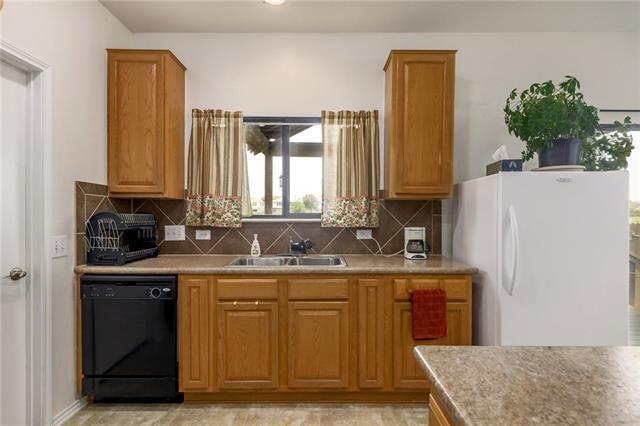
{"x":145,"y":124}
{"x":247,"y":345}
{"x":371,"y":354}
{"x":194,"y":305}
{"x":408,"y":374}
{"x":318,"y":349}
{"x":419,"y":103}
{"x":437,"y":413}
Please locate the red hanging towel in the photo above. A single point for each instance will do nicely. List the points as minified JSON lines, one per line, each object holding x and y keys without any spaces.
{"x":429,"y":314}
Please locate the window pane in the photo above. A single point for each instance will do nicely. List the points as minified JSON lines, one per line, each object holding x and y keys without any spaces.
{"x":264,"y":161}
{"x":305,"y":168}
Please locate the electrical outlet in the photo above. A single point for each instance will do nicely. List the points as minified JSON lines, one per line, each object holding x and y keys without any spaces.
{"x":203,"y":234}
{"x":174,"y":233}
{"x":364,"y":234}
{"x":60,"y":246}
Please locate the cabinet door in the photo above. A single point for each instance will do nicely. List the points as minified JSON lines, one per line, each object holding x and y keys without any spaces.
{"x":193,"y":323}
{"x":419,"y":145}
{"x":437,"y":415}
{"x":247,"y":345}
{"x":136,"y":122}
{"x":407,"y":372}
{"x":318,"y":344}
{"x":371,"y":333}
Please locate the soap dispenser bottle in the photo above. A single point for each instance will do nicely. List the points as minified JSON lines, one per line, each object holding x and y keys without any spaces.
{"x":255,"y":246}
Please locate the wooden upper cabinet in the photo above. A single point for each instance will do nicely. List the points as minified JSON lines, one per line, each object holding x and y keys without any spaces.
{"x":419,"y":107}
{"x":145,"y":124}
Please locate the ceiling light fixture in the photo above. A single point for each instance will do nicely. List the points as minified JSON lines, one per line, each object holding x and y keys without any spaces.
{"x":274,"y":2}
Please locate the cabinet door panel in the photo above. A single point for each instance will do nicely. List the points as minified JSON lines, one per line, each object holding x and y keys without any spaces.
{"x":247,"y":345}
{"x":318,"y":344}
{"x":407,"y":372}
{"x":420,"y":140}
{"x":136,"y":123}
{"x":371,"y":333}
{"x":193,"y":324}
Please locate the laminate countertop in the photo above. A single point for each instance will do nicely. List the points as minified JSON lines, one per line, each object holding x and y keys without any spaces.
{"x":217,"y":264}
{"x":535,"y":385}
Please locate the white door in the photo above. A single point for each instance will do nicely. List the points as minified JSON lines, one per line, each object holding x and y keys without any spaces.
{"x":13,"y":293}
{"x":570,"y":244}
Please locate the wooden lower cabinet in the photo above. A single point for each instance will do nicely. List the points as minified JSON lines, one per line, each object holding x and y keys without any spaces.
{"x":318,"y":345}
{"x":194,"y":332}
{"x":437,"y":414}
{"x":247,"y":345}
{"x":371,"y":347}
{"x":286,"y":336}
{"x":408,"y":374}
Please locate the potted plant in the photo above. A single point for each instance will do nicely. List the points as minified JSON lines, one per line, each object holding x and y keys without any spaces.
{"x":553,"y":120}
{"x":608,"y":151}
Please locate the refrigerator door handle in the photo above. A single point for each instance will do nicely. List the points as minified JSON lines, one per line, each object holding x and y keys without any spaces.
{"x":515,"y":247}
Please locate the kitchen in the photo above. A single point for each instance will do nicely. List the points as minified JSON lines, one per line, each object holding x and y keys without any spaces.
{"x":281,"y":75}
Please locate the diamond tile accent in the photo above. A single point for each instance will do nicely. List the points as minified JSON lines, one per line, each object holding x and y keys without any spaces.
{"x":273,"y":236}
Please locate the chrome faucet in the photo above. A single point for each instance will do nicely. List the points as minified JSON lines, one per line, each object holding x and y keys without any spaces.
{"x":300,"y":247}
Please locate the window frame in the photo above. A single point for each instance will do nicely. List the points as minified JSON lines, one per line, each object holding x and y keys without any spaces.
{"x":286,"y":162}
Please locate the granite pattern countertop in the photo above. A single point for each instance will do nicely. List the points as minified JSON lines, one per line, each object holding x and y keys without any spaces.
{"x":536,"y":385}
{"x":217,"y":264}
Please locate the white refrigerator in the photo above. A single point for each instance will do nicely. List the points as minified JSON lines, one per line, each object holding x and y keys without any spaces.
{"x":552,"y":253}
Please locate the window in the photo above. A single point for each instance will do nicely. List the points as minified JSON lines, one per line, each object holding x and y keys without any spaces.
{"x":284,"y":159}
{"x":634,"y":217}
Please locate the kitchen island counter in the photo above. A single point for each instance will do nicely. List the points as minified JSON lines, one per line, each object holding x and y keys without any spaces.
{"x":534,"y":385}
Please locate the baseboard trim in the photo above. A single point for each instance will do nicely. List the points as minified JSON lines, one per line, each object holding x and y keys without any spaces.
{"x":69,"y":411}
{"x":367,"y":397}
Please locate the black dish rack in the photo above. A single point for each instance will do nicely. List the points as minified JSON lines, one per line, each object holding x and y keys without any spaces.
{"x":119,"y":238}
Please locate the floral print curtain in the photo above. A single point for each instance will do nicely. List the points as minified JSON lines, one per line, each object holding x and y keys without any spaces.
{"x":351,"y":163}
{"x":216,"y":169}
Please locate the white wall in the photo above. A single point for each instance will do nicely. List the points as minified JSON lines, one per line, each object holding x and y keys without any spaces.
{"x":301,"y":74}
{"x":71,"y":38}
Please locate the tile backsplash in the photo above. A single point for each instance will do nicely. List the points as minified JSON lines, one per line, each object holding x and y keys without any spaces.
{"x":273,"y":236}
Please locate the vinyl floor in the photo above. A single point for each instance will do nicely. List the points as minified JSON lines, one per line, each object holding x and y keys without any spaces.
{"x":253,"y":414}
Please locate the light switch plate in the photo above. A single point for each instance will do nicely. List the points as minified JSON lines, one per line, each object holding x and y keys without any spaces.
{"x":174,"y":232}
{"x":203,"y":234}
{"x":60,"y":246}
{"x":364,"y":234}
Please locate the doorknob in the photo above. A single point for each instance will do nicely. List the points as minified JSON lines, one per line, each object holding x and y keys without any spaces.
{"x":16,"y":273}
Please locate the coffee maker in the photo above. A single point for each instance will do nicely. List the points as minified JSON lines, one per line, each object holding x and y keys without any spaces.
{"x":415,"y":243}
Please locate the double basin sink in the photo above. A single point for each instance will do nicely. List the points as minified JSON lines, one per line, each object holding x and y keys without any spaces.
{"x":289,"y":261}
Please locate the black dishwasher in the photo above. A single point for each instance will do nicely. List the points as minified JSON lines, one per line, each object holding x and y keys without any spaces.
{"x":129,"y":339}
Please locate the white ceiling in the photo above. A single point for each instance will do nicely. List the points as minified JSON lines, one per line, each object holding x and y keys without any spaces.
{"x":225,"y":16}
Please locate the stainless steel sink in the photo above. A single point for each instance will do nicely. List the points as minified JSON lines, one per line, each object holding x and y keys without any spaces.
{"x":321,"y":261}
{"x":262,"y":261}
{"x":289,"y":261}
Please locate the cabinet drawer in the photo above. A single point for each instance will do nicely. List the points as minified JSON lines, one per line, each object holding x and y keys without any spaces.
{"x":318,"y":289}
{"x":247,"y":289}
{"x":456,"y":288}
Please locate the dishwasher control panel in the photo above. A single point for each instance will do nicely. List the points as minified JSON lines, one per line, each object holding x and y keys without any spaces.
{"x":141,"y":291}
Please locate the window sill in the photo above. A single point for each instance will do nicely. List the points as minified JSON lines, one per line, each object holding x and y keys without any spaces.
{"x":280,"y":219}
